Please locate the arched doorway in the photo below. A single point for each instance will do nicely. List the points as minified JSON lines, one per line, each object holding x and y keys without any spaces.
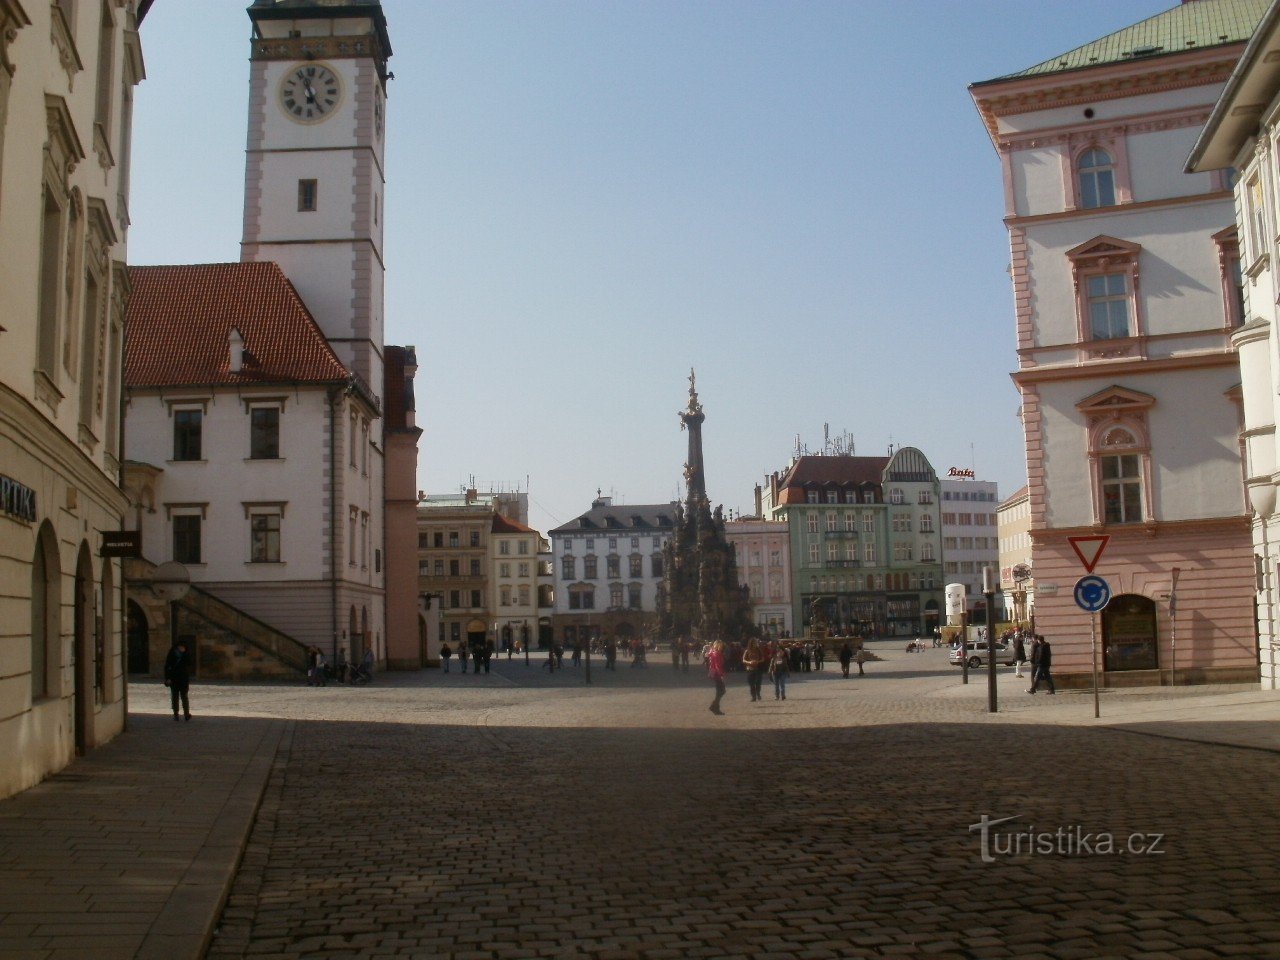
{"x":139,"y":639}
{"x":353,"y":639}
{"x":1129,"y":639}
{"x":476,"y":633}
{"x":46,"y":615}
{"x":82,"y":643}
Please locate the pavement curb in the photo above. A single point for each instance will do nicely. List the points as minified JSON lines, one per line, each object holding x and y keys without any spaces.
{"x":186,"y":923}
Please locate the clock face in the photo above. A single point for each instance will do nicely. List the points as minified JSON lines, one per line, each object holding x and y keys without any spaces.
{"x":310,"y":92}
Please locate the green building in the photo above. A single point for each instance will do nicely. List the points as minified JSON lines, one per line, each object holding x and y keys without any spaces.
{"x":866,"y":542}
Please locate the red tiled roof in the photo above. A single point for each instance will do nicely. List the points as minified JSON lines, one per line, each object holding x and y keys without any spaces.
{"x":837,"y":470}
{"x":1016,"y":495}
{"x":180,"y":319}
{"x":503,"y":524}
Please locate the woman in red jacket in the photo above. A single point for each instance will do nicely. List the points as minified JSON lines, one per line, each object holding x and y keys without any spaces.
{"x":715,"y":670}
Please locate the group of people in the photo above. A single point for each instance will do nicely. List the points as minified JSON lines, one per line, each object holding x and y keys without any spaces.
{"x":776,"y":659}
{"x":1032,"y":648}
{"x":320,"y":671}
{"x":479,"y":654}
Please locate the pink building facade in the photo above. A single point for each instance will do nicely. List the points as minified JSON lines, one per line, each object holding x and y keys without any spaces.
{"x":1126,"y":284}
{"x":763,"y":550}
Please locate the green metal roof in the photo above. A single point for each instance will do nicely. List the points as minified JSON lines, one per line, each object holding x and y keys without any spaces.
{"x":1192,"y":25}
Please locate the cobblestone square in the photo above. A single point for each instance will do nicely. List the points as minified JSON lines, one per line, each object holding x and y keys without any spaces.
{"x":522,"y":814}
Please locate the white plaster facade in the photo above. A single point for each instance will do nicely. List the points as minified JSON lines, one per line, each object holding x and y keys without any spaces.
{"x":513,"y":565}
{"x":970,"y":538}
{"x":321,"y":583}
{"x":67,"y":74}
{"x":1124,"y":302}
{"x":1243,"y":134}
{"x":608,"y":565}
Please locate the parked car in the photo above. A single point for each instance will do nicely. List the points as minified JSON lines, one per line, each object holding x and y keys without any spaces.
{"x":976,"y":652}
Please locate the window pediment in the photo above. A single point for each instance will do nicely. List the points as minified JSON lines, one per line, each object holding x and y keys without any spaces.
{"x":1115,"y":399}
{"x":64,"y":146}
{"x":12,"y":19}
{"x":1104,"y":249}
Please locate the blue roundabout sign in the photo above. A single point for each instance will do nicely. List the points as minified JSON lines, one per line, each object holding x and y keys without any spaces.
{"x":1092,"y":593}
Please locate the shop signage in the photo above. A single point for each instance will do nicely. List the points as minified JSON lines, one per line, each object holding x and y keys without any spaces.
{"x":121,"y":543}
{"x":960,"y":473}
{"x":16,"y":500}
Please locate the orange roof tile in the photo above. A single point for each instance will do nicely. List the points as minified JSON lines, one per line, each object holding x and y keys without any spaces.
{"x":503,"y":524}
{"x":180,"y":318}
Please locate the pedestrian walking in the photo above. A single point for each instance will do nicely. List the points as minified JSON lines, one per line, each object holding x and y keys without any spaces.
{"x":446,"y":654}
{"x":462,"y":656}
{"x":1019,"y":653}
{"x":576,"y":659}
{"x":819,"y":655}
{"x":754,"y":663}
{"x":846,"y":658}
{"x":1041,"y":664}
{"x":861,"y":656}
{"x":715,"y":670}
{"x":778,"y":671}
{"x":486,"y":654}
{"x":177,"y":677}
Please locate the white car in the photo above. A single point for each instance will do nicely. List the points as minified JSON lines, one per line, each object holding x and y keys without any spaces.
{"x":976,"y":651}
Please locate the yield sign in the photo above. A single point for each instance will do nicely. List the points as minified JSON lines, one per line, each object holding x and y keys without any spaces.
{"x":1089,"y":549}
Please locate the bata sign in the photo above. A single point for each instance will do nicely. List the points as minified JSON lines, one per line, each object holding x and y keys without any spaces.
{"x":959,"y":473}
{"x":16,"y":500}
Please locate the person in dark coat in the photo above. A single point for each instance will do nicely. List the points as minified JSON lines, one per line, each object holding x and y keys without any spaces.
{"x":1041,"y":664}
{"x":177,"y":677}
{"x":1019,"y":653}
{"x":846,"y":658}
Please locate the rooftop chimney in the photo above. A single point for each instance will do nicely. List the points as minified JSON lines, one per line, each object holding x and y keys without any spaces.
{"x":237,"y":351}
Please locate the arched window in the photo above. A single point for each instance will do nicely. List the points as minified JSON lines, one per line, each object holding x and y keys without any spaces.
{"x":1096,"y":174}
{"x":45,"y":609}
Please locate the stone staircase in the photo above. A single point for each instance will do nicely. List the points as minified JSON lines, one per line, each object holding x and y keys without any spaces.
{"x":232,"y":645}
{"x":229,"y":644}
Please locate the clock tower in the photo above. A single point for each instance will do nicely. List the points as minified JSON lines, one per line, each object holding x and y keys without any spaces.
{"x":313,"y":204}
{"x":314,"y":181}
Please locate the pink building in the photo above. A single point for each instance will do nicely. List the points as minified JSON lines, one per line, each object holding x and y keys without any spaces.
{"x":407,"y":627}
{"x":763,"y":550}
{"x":1127,"y":288}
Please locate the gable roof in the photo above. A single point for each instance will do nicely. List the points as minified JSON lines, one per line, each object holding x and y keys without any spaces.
{"x":179,"y":321}
{"x":503,"y":524}
{"x":1192,"y":25}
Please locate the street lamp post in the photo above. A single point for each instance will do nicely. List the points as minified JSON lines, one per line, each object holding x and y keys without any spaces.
{"x":1173,"y":628}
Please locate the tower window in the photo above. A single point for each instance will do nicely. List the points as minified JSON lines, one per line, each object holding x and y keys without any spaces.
{"x":306,"y":195}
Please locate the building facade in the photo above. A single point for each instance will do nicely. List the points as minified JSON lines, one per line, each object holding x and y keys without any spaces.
{"x":67,"y":73}
{"x":454,"y":565}
{"x":1017,"y":576}
{"x":513,"y":572}
{"x":763,"y":549}
{"x":970,"y":539}
{"x":608,"y":568}
{"x":1243,"y":135}
{"x":250,"y":460}
{"x":866,"y":547}
{"x":1124,"y":277}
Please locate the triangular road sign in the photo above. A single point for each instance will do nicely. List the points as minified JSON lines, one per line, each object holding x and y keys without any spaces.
{"x":1089,"y":549}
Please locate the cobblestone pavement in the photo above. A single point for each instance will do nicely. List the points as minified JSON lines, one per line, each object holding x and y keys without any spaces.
{"x":522,"y":814}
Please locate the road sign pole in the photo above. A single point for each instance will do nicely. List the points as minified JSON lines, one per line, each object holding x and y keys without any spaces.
{"x":1093,"y":632}
{"x":989,"y":592}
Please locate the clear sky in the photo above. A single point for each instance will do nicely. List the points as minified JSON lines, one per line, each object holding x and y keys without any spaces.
{"x":585,"y":199}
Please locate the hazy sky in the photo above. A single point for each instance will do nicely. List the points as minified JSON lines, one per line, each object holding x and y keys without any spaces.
{"x":585,"y":199}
